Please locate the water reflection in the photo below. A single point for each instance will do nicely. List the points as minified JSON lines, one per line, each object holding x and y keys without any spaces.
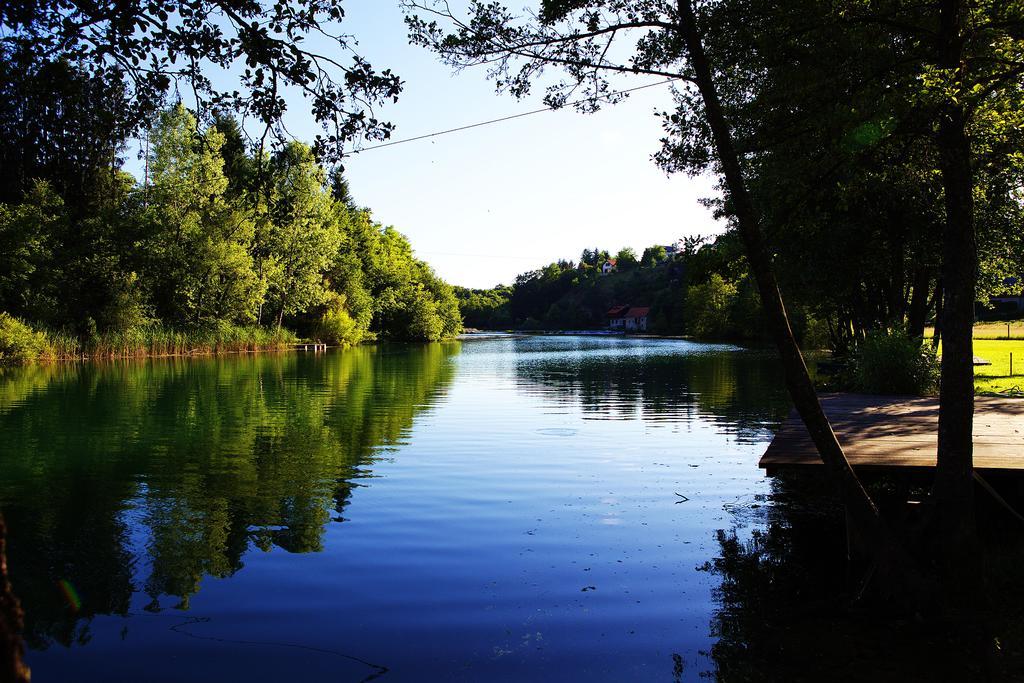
{"x":179,"y":467}
{"x":655,"y":380}
{"x":793,"y":603}
{"x":526,"y":518}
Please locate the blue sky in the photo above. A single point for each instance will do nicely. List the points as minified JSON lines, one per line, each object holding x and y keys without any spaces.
{"x":483,"y":205}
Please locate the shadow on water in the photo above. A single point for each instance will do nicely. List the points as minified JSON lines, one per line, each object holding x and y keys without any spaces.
{"x":793,"y":604}
{"x":175,"y":469}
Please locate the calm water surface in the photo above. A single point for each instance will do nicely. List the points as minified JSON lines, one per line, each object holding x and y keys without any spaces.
{"x":493,"y":509}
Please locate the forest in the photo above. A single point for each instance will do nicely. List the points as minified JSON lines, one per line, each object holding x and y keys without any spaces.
{"x":220,"y":246}
{"x":702,"y":290}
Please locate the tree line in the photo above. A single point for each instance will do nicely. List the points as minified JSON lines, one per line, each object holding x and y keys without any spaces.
{"x":703,"y":289}
{"x":218,"y":233}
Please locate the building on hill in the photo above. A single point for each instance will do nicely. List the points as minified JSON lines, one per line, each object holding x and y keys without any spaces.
{"x":628,"y":318}
{"x":608,"y":267}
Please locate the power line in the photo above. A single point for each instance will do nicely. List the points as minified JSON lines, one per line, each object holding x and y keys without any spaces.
{"x":509,"y":118}
{"x":497,"y":256}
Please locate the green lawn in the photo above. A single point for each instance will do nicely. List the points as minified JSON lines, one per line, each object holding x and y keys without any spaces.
{"x":992,"y":330}
{"x":996,"y":377}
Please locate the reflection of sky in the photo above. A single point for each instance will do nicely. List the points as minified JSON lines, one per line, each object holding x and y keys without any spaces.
{"x":513,"y":532}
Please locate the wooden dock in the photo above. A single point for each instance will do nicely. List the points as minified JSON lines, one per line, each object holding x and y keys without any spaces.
{"x":316,"y":347}
{"x":901,"y":431}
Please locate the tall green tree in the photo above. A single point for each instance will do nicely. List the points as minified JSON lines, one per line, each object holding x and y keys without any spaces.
{"x":201,"y":269}
{"x":304,"y":235}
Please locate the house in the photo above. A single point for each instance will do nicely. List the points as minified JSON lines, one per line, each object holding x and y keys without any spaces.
{"x":636,"y":319}
{"x":672,"y":249}
{"x":608,"y":266}
{"x":628,"y":318}
{"x":617,"y":317}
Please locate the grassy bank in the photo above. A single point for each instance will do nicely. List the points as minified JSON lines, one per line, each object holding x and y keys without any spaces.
{"x":991,"y":344}
{"x":20,"y":344}
{"x":992,"y":330}
{"x":996,"y":378}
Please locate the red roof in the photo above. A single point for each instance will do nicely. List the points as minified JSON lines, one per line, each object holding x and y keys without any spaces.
{"x":617,"y":311}
{"x":638,"y":312}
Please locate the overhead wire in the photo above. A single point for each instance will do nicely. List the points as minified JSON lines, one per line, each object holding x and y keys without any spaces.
{"x":146,"y":186}
{"x":509,"y":118}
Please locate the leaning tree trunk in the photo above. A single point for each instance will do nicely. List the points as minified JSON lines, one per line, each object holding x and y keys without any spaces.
{"x":953,"y":490}
{"x":891,"y":559}
{"x":12,"y":650}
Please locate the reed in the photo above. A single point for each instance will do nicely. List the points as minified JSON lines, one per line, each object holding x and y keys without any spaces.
{"x":20,"y":344}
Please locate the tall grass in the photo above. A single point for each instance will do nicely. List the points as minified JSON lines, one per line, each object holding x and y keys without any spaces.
{"x":20,"y":344}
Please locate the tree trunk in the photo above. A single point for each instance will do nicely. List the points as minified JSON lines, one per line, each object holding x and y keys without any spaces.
{"x":891,"y":559}
{"x":918,"y":309}
{"x":953,"y":490}
{"x":12,"y":650}
{"x":937,"y":336}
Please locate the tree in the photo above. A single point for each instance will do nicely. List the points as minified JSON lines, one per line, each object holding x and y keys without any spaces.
{"x":579,"y":36}
{"x":27,"y":288}
{"x":12,"y":648}
{"x":653,"y":256}
{"x":58,"y":123}
{"x":159,"y":47}
{"x":200,"y":266}
{"x":708,"y":308}
{"x":304,"y":234}
{"x":626,"y":259}
{"x":931,"y":105}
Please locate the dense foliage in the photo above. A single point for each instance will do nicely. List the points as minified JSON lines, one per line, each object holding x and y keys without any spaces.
{"x":702,"y":290}
{"x":134,"y":54}
{"x":835,"y":112}
{"x":486,"y":309}
{"x":215,"y":235}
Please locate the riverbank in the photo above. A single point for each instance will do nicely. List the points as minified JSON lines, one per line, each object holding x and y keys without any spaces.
{"x":20,"y":344}
{"x":1003,"y":375}
{"x":472,"y":331}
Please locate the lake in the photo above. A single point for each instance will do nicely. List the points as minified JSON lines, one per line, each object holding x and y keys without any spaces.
{"x":499,"y":508}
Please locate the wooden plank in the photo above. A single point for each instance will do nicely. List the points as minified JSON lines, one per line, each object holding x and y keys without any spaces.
{"x":901,"y":431}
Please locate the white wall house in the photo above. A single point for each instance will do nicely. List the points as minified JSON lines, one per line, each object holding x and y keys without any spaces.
{"x":636,"y":319}
{"x":628,"y":318}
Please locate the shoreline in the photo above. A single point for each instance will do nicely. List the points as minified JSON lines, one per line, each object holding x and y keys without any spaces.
{"x":474,"y":332}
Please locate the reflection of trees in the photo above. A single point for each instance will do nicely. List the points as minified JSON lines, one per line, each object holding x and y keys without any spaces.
{"x":791,"y":607}
{"x":208,"y":457}
{"x":742,"y":392}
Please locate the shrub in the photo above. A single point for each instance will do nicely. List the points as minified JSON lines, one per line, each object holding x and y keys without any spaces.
{"x":19,"y":343}
{"x":892,"y":362}
{"x":336,"y":326}
{"x":424,"y":322}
